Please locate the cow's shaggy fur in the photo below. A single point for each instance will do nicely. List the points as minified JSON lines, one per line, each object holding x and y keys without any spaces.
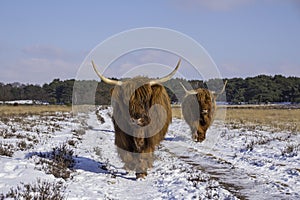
{"x":137,"y":100}
{"x":198,"y":111}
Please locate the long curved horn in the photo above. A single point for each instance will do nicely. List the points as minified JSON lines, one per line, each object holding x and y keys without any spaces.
{"x":168,"y":77}
{"x":223,"y":89}
{"x":188,"y":92}
{"x":104,"y":79}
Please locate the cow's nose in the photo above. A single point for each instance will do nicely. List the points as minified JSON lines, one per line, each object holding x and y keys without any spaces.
{"x":204,"y":111}
{"x":142,"y":121}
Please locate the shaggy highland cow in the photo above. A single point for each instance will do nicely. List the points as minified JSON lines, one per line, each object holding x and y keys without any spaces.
{"x":141,"y":117}
{"x":198,"y":110}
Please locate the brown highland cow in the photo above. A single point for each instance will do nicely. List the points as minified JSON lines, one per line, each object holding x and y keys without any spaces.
{"x":198,"y":110}
{"x":141,"y":117}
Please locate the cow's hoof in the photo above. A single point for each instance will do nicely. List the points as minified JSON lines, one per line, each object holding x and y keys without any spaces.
{"x":141,"y":176}
{"x":200,"y":139}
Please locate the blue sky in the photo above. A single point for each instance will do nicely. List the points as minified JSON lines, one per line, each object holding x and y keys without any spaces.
{"x":43,"y":40}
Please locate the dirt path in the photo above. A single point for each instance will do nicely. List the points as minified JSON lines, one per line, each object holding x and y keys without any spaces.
{"x":236,"y":180}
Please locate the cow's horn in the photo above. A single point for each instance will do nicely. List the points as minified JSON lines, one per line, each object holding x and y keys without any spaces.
{"x":168,"y":77}
{"x":188,"y":92}
{"x":223,"y":89}
{"x":104,"y":79}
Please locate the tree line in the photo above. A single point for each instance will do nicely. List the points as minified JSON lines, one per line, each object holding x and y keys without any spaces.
{"x":251,"y":90}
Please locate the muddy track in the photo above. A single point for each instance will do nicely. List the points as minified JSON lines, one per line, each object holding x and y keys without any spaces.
{"x":235,"y":180}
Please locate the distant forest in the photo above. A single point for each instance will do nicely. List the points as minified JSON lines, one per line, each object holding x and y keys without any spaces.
{"x":252,"y":90}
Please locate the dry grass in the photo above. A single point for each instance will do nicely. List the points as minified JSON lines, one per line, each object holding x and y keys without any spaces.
{"x":277,"y":119}
{"x":32,"y":109}
{"x":176,"y":111}
{"x":255,"y":117}
{"x":236,"y":117}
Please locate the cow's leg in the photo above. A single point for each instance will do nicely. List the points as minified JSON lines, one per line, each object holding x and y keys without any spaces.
{"x":198,"y":131}
{"x":145,"y":162}
{"x":201,"y":134}
{"x":141,"y":165}
{"x":129,"y":159}
{"x":141,"y":170}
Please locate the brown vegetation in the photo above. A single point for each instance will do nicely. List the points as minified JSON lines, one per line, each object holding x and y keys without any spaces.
{"x":59,"y":162}
{"x":236,"y":116}
{"x":42,"y":189}
{"x":255,"y":117}
{"x":32,"y":109}
{"x":276,"y":119}
{"x":176,"y":112}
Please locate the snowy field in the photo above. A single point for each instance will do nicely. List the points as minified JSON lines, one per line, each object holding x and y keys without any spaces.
{"x":232,"y":163}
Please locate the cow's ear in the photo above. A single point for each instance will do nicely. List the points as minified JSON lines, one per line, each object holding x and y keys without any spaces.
{"x":111,"y":91}
{"x":156,"y":91}
{"x":114,"y":97}
{"x":214,"y":94}
{"x":115,"y":93}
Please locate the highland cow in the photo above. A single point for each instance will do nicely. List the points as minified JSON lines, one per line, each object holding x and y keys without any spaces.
{"x":198,"y":110}
{"x":141,"y":117}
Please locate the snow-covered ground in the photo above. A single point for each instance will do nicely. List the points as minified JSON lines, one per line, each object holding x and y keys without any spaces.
{"x":25,"y":102}
{"x":230,"y":164}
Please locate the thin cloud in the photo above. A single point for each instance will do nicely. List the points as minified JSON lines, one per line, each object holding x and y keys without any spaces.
{"x":48,"y":51}
{"x":40,"y":64}
{"x":213,"y":5}
{"x":39,"y":70}
{"x":134,"y":59}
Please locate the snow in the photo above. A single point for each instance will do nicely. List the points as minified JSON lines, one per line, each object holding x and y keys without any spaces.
{"x":25,"y":102}
{"x":229,"y":164}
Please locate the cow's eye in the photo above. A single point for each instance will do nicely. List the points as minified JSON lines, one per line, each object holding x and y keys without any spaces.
{"x":147,"y":105}
{"x":136,"y":116}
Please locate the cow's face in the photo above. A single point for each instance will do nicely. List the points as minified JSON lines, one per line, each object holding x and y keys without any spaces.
{"x":132,"y":100}
{"x":206,"y":102}
{"x":139,"y":105}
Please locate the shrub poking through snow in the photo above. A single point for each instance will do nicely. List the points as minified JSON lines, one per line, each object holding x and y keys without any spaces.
{"x":39,"y":190}
{"x":59,"y":162}
{"x":6,"y":150}
{"x":290,"y":150}
{"x":99,"y":117}
{"x":63,"y":155}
